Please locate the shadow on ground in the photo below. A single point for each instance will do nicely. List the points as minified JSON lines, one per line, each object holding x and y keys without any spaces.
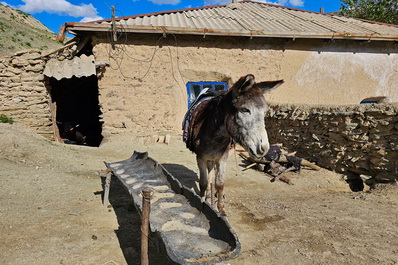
{"x":185,"y":176}
{"x":129,"y":232}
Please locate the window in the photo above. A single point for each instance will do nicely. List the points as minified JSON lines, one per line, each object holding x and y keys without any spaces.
{"x":194,"y":89}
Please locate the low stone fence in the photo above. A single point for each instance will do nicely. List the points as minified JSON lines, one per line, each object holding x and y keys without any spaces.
{"x":353,"y":140}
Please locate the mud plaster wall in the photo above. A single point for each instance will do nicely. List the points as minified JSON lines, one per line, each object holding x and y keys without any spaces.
{"x":356,"y":139}
{"x":23,"y":93}
{"x":143,"y":89}
{"x":338,"y":72}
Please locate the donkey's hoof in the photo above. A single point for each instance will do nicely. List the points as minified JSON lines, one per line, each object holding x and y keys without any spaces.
{"x":222,"y":213}
{"x":221,"y":210}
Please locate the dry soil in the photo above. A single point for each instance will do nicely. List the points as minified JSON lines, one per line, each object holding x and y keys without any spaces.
{"x":51,"y":208}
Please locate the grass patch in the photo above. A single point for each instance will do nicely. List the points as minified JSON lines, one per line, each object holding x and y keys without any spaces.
{"x":4,"y":26}
{"x":20,"y":33}
{"x":5,"y":119}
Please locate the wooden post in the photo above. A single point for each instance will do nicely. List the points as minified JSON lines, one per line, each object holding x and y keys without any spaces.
{"x":53,"y":110}
{"x":107,"y":186}
{"x":146,"y":209}
{"x":114,"y":25}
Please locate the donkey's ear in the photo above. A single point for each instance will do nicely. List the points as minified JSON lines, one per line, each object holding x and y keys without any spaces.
{"x":248,"y":82}
{"x":267,"y":86}
{"x":243,"y":84}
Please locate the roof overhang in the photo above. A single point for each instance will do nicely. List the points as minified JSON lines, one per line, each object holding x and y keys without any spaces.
{"x":77,"y":28}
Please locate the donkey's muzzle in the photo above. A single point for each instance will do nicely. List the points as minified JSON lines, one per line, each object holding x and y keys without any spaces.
{"x":259,"y":151}
{"x":262,"y":149}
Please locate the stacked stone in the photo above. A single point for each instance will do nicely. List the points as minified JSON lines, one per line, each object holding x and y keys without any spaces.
{"x":353,"y":140}
{"x":23,"y":93}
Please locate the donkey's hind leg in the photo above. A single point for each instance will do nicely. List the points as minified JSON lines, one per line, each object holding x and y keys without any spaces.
{"x":210,"y":187}
{"x":203,"y":177}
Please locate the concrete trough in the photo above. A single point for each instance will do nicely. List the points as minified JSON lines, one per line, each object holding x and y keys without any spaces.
{"x":188,"y":230}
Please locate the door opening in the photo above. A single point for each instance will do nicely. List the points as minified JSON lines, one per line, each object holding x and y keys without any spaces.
{"x":77,"y":110}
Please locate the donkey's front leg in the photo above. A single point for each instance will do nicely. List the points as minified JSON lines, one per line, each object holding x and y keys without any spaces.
{"x":220,"y":173}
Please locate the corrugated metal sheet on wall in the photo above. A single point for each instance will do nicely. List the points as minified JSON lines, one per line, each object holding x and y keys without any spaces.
{"x":78,"y":67}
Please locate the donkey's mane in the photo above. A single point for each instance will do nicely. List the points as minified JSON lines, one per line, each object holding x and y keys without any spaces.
{"x":210,"y":116}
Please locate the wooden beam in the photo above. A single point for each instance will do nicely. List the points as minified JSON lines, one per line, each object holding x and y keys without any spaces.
{"x":61,"y":34}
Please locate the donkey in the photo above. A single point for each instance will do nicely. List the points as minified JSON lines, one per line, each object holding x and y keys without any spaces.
{"x":215,"y":124}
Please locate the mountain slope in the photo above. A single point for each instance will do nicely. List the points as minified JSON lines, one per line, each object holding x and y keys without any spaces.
{"x":21,"y":31}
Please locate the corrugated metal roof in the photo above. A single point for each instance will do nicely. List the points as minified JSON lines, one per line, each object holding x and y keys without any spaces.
{"x":78,"y":67}
{"x":248,"y":18}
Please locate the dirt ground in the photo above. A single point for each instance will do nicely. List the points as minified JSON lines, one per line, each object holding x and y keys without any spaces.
{"x":51,"y":208}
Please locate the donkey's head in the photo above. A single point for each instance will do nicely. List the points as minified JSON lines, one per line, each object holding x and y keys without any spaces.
{"x":245,"y":124}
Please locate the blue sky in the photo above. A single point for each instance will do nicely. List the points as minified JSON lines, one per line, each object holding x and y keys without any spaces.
{"x":54,"y":13}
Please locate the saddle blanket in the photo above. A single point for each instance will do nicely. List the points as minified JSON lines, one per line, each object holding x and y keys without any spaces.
{"x":205,"y":95}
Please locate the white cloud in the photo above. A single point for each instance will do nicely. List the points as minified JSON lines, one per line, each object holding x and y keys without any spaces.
{"x":60,"y":7}
{"x":296,"y":2}
{"x":165,"y":2}
{"x":277,"y":2}
{"x":88,"y":19}
{"x":7,"y":4}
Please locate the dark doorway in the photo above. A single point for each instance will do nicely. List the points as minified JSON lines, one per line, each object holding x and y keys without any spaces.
{"x":77,"y":110}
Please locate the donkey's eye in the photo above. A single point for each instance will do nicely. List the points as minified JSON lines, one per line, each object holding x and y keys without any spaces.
{"x":245,"y":110}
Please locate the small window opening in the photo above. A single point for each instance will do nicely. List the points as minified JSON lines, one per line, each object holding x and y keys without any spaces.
{"x":77,"y":110}
{"x":194,"y":89}
{"x":373,"y":100}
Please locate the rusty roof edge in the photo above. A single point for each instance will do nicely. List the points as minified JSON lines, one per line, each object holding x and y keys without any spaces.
{"x":246,"y":33}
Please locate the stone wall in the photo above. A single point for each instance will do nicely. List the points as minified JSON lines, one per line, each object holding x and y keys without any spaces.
{"x":24,"y":90}
{"x":23,"y":93}
{"x":353,"y":140}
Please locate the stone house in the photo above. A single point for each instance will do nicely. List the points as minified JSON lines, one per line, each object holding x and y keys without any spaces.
{"x":139,"y":73}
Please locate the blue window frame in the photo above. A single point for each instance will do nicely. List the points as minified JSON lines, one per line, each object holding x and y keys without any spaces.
{"x":194,"y":88}
{"x":368,"y":102}
{"x":373,"y":100}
